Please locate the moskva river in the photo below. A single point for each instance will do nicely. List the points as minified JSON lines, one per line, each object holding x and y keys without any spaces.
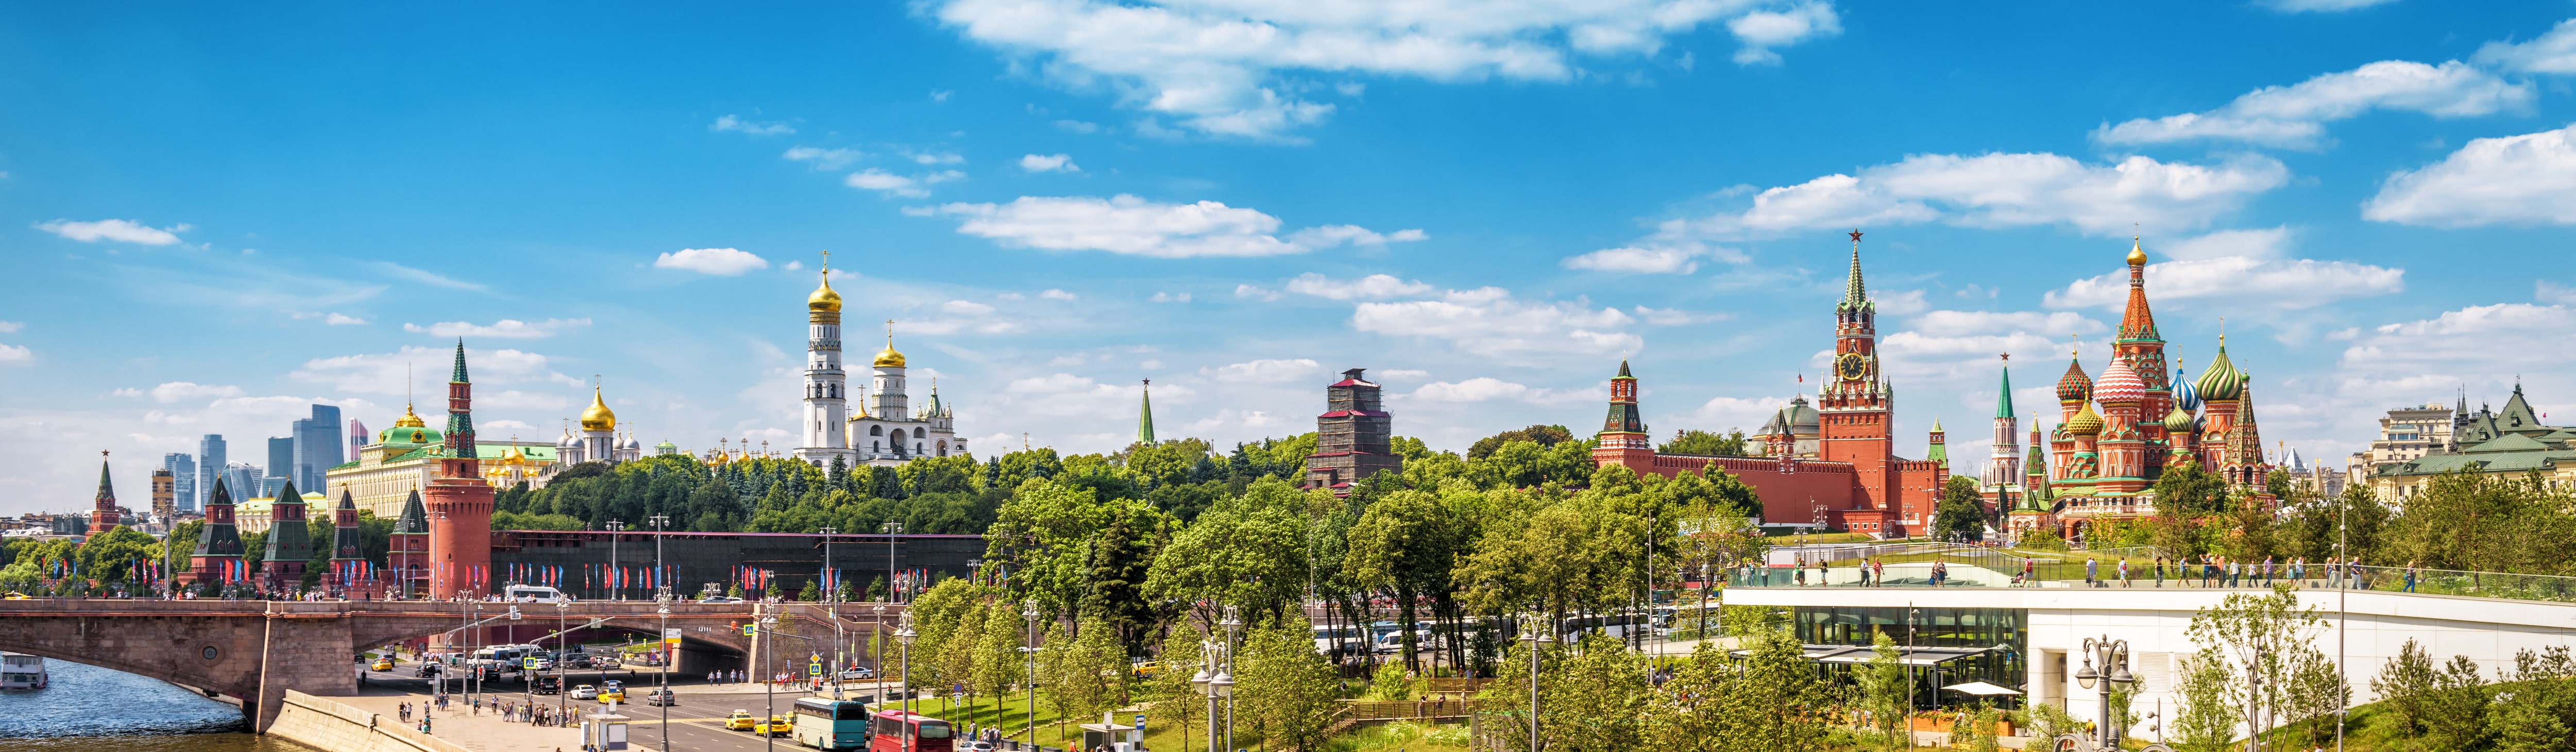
{"x":89,"y":709}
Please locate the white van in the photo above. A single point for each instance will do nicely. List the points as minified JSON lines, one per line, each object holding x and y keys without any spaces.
{"x":536,"y":593}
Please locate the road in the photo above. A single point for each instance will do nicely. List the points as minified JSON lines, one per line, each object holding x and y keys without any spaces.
{"x":697,"y":721}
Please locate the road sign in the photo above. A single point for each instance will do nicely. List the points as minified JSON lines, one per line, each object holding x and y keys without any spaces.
{"x":528,"y":663}
{"x":750,"y":629}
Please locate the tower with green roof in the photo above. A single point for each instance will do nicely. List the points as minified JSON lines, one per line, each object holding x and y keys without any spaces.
{"x":1145,"y":415}
{"x":2003,"y":465}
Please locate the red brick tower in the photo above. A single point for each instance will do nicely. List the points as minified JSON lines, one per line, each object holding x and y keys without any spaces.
{"x":1856,"y":404}
{"x":217,"y":561}
{"x":459,"y":501}
{"x":1352,"y":436}
{"x":102,"y":516}
{"x":1623,"y":439}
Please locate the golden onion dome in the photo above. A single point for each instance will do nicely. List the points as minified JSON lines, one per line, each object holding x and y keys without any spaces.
{"x":2137,"y":254}
{"x":824,"y":300}
{"x":597,"y":417}
{"x":409,"y":419}
{"x":2086,"y":422}
{"x":888,"y":358}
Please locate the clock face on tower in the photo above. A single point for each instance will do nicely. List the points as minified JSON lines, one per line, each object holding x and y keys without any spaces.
{"x":1851,"y":367}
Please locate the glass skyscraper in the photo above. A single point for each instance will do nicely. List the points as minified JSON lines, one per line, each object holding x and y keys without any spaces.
{"x":281,"y":465}
{"x":210,"y":465}
{"x":316,"y":448}
{"x":183,"y":480}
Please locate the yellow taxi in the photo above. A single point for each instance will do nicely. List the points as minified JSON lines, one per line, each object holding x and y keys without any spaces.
{"x":1148,"y":669}
{"x":740,"y":720}
{"x":382,"y":664}
{"x":13,"y":596}
{"x":777,"y":725}
{"x":613,"y":694}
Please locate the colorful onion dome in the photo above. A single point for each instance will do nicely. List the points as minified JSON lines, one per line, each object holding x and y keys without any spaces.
{"x":2222,"y":381}
{"x":2085,"y":423}
{"x":2177,"y":422}
{"x":2119,"y":383}
{"x":2074,"y":385}
{"x":2186,"y":397}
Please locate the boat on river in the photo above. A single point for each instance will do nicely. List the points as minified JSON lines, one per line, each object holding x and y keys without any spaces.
{"x":22,"y":671}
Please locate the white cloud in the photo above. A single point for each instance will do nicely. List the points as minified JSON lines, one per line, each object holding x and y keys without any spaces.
{"x":1652,"y":259}
{"x":1049,"y":163}
{"x":1265,"y":371}
{"x":1078,"y":126}
{"x":421,"y":371}
{"x":1169,"y":297}
{"x":427,"y":277}
{"x":935,"y":157}
{"x":1238,"y":68}
{"x":879,"y":180}
{"x":1955,"y":323}
{"x":2294,"y":116}
{"x":339,"y":319}
{"x":1762,"y":30}
{"x":2275,"y":283}
{"x":117,"y":230}
{"x":2452,"y":342}
{"x":1401,"y":373}
{"x":175,"y":391}
{"x":722,"y":262}
{"x":2516,"y":180}
{"x":824,"y":159}
{"x":2551,"y":292}
{"x":966,"y":307}
{"x":11,"y":327}
{"x":2320,"y":6}
{"x":16,"y":354}
{"x":2553,"y":52}
{"x":1737,"y":412}
{"x":1055,"y":294}
{"x":1255,"y":292}
{"x":1490,"y":389}
{"x":1676,"y":316}
{"x":1129,"y":225}
{"x":1490,"y":322}
{"x":1064,"y":394}
{"x":1899,"y":302}
{"x":1371,"y":287}
{"x":1994,"y":190}
{"x":2255,"y":244}
{"x":731,"y":123}
{"x":507,"y":328}
{"x":1328,"y":236}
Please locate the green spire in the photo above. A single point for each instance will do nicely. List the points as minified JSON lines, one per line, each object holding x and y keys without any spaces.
{"x":2003,"y":394}
{"x":107,"y":492}
{"x":288,"y":538}
{"x":1623,"y":369}
{"x":1145,"y":416}
{"x":459,"y":377}
{"x":1855,"y":294}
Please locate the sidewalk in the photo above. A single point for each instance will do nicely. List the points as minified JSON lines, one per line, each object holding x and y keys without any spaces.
{"x":460,"y":724}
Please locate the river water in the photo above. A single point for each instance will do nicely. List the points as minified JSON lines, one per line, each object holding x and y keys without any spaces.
{"x":91,"y":709}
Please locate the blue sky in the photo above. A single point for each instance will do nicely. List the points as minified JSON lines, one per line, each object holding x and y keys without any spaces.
{"x":225,"y":215}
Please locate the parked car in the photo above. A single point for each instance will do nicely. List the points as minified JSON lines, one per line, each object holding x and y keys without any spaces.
{"x":584,"y":692}
{"x":719,"y":599}
{"x":547,"y":685}
{"x":857,"y":674}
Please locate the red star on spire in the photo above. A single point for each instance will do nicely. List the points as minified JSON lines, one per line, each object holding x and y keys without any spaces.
{"x":1855,"y":233}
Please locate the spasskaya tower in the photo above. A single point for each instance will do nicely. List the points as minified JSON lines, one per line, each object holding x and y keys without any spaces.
{"x":1855,"y":405}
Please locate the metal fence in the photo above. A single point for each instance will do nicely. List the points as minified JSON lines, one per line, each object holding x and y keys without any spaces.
{"x":2006,"y":570}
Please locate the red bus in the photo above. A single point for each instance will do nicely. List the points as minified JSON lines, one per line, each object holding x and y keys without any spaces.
{"x":926,"y":734}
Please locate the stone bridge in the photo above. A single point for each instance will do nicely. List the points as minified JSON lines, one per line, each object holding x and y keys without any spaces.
{"x":257,"y":650}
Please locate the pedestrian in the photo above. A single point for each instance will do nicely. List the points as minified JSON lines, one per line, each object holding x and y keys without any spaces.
{"x":2092,"y":567}
{"x":2160,"y":570}
{"x":2124,"y":573}
{"x":1802,"y":576}
{"x":2268,"y":569}
{"x":1864,"y":574}
{"x":2410,"y":576}
{"x":2028,"y":565}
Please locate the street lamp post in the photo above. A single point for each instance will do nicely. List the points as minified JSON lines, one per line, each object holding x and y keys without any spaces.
{"x":831,"y":609}
{"x":614,"y":527}
{"x":1538,"y":636}
{"x":563,"y":638}
{"x":1202,"y":680}
{"x":1031,"y":613}
{"x":768,"y":679}
{"x":2114,"y":655}
{"x":891,"y":529}
{"x":1224,"y":681}
{"x":665,"y":610}
{"x":903,"y":636}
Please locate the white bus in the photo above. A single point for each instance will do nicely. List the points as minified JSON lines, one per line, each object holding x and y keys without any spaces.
{"x":533,"y":593}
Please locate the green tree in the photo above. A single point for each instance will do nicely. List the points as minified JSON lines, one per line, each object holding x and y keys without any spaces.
{"x":2209,"y":695}
{"x":2265,"y":637}
{"x":998,"y":667}
{"x":1771,"y":701}
{"x":2404,"y":685}
{"x":1404,"y":544}
{"x":1961,"y":513}
{"x":1118,"y":567}
{"x":1181,"y":658}
{"x":1540,"y":435}
{"x":2541,"y":712}
{"x":1248,"y":551}
{"x":1884,"y":689}
{"x":1698,"y":443}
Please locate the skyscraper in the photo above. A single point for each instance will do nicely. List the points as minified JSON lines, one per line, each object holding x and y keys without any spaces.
{"x":210,"y":465}
{"x":240,"y":475}
{"x":281,"y":464}
{"x":357,"y":439}
{"x":316,"y":447}
{"x":183,"y":479}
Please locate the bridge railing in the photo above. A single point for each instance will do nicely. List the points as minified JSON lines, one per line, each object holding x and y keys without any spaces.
{"x":2061,"y":574}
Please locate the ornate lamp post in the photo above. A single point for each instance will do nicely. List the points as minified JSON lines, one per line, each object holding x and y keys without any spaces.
{"x":1031,"y":653}
{"x":1537,"y":635}
{"x":1207,"y":673}
{"x":2114,"y":655}
{"x":1223,"y":684}
{"x":903,"y":636}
